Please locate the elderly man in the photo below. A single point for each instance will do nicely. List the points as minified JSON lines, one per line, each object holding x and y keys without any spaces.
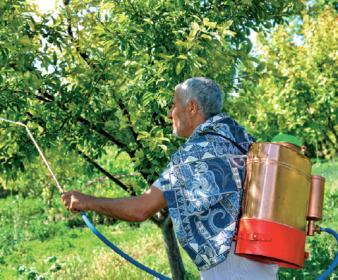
{"x":201,"y":186}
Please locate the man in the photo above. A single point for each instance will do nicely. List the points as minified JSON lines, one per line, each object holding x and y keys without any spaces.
{"x":202,"y":185}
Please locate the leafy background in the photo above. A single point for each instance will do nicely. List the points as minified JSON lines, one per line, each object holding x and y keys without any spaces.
{"x":94,"y":80}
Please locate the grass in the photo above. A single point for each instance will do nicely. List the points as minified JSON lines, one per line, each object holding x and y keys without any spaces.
{"x":32,"y":246}
{"x":78,"y":254}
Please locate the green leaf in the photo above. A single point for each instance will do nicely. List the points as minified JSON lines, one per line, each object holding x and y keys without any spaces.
{"x":195,"y":26}
{"x":260,"y":67}
{"x":179,"y":67}
{"x":3,"y":57}
{"x":208,"y":23}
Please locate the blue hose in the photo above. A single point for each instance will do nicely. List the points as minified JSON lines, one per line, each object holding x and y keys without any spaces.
{"x":333,"y":265}
{"x":120,"y":252}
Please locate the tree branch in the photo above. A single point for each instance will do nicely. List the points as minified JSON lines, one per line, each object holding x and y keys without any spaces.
{"x":127,"y":115}
{"x":128,"y":189}
{"x":89,"y":124}
{"x":104,"y":133}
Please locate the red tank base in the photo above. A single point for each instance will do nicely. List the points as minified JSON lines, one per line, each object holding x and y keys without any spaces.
{"x":271,"y":242}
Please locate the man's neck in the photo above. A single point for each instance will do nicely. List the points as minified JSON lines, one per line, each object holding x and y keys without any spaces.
{"x":199,"y":119}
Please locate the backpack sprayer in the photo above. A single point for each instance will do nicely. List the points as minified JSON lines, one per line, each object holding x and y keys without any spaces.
{"x":282,"y":203}
{"x":84,"y":216}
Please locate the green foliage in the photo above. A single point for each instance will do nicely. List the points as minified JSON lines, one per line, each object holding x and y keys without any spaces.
{"x":24,"y":219}
{"x":101,"y":73}
{"x":297,"y":91}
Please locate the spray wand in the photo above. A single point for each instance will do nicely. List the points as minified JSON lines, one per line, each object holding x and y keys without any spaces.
{"x":83,"y":215}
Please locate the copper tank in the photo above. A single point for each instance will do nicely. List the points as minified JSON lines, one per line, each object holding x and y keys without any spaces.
{"x":277,"y":185}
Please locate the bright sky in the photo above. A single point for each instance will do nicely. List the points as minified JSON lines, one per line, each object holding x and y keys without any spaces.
{"x":45,"y":5}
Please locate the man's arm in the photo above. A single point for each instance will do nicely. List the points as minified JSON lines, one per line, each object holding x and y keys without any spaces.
{"x":132,"y":209}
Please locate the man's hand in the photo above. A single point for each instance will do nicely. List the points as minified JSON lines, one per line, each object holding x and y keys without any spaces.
{"x":76,"y":201}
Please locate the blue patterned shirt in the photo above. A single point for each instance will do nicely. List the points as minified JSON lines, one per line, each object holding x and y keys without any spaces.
{"x":202,"y":186}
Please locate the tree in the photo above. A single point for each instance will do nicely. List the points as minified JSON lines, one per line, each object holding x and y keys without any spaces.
{"x":297,"y":91}
{"x":101,"y":73}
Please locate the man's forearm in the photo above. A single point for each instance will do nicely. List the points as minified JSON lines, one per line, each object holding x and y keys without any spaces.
{"x":133,"y":209}
{"x":127,"y":209}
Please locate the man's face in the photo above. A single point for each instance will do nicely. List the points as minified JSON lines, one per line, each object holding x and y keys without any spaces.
{"x":180,"y":117}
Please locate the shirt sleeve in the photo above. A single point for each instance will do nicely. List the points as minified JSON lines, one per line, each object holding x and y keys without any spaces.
{"x":163,"y":182}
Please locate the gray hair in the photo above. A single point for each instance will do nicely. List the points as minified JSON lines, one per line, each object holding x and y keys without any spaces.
{"x":205,"y":92}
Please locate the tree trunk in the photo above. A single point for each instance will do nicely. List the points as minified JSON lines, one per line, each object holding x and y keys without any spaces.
{"x":173,"y":252}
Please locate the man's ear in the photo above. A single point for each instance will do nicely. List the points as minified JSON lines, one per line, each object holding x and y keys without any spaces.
{"x":193,"y":106}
